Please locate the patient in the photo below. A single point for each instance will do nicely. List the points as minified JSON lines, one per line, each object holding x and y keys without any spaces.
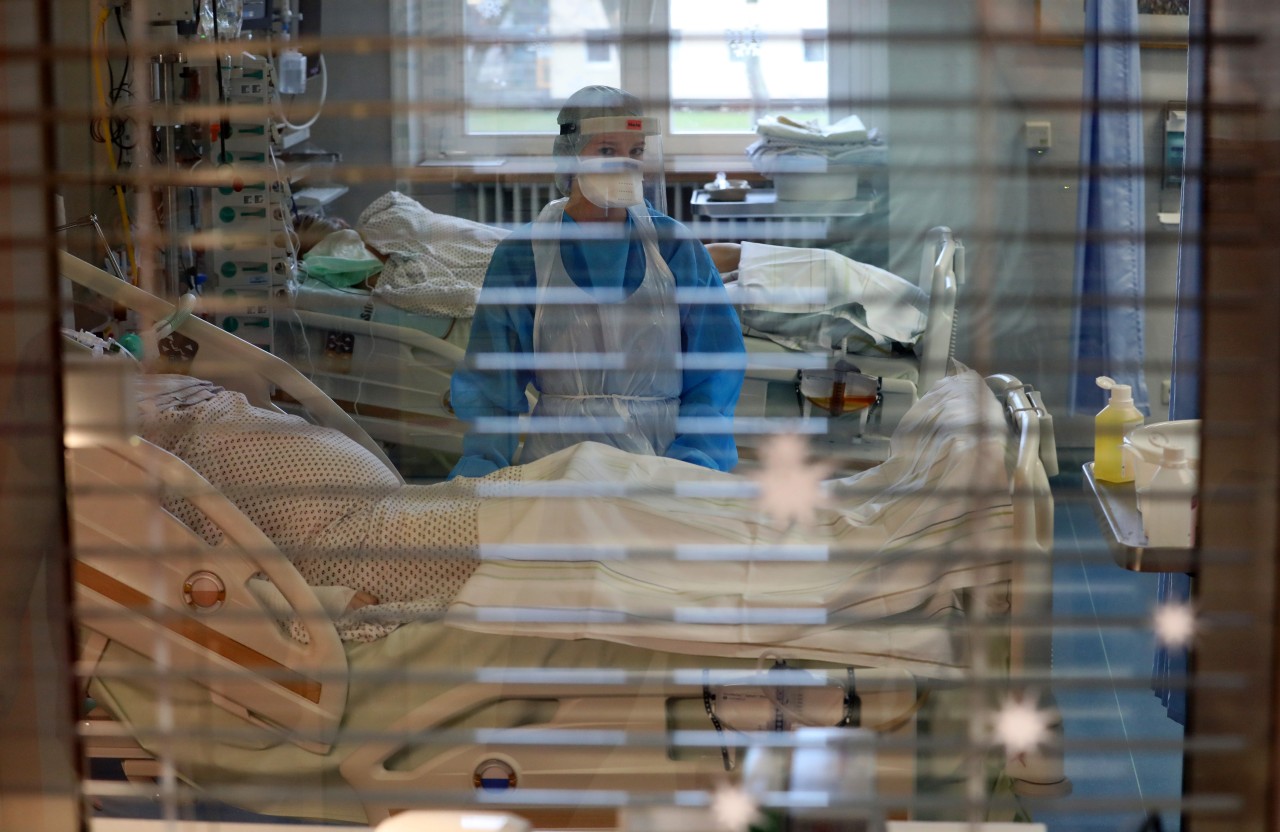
{"x":434,"y":264}
{"x":413,"y":258}
{"x":345,"y":520}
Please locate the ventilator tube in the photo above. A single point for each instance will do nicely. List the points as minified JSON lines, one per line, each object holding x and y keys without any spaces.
{"x":1169,"y":516}
{"x":1111,"y":427}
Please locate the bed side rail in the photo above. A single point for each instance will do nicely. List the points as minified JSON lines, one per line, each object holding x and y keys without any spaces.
{"x":450,"y":354}
{"x":146,"y":580}
{"x":226,"y":357}
{"x":1035,"y":460}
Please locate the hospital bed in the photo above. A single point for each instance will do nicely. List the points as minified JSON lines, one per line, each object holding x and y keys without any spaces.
{"x":195,"y":673}
{"x":390,"y":368}
{"x":778,"y":385}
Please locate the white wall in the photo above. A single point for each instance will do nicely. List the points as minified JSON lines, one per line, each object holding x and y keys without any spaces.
{"x":968,"y":168}
{"x":362,"y":141}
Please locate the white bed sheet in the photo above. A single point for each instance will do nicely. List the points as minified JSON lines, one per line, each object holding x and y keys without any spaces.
{"x":868,"y":309}
{"x":895,"y":541}
{"x":435,"y":262}
{"x":901,"y":537}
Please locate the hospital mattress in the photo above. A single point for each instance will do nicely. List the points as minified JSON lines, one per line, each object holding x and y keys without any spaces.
{"x":360,"y":304}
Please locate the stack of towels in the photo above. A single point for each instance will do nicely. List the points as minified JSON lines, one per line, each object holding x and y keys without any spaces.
{"x":787,"y":145}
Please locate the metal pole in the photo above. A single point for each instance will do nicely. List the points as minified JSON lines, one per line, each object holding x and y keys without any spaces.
{"x":165,"y":64}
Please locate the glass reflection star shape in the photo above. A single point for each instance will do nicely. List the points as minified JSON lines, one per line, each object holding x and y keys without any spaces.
{"x":1020,"y":726}
{"x":733,"y":808}
{"x":1174,"y":624}
{"x":790,"y":487}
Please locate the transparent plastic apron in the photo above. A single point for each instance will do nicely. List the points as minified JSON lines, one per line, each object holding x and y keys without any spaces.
{"x":631,"y":404}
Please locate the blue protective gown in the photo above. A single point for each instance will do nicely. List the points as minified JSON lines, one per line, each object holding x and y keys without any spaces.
{"x":600,"y":264}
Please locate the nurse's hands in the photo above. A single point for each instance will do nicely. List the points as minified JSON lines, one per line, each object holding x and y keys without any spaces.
{"x":473,"y":466}
{"x":687,"y":454}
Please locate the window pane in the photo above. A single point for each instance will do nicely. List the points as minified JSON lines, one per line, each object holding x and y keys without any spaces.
{"x":524,"y":57}
{"x":732,"y":61}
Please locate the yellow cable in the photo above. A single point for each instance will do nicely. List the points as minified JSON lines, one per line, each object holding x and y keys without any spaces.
{"x":99,"y":49}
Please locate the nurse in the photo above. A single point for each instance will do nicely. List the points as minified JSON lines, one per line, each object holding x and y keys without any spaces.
{"x":608,"y":310}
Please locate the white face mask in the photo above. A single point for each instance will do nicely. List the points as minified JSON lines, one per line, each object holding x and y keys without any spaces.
{"x":611,"y":183}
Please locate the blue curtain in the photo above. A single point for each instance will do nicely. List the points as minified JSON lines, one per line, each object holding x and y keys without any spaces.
{"x":1184,"y":403}
{"x":1110,"y":263}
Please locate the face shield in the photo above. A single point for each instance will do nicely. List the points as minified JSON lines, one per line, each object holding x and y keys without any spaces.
{"x":619,"y":161}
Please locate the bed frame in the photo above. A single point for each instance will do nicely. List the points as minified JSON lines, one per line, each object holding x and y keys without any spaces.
{"x":771,"y":388}
{"x":191,"y":614}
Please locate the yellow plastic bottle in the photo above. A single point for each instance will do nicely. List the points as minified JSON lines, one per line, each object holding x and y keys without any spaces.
{"x":1110,"y":428}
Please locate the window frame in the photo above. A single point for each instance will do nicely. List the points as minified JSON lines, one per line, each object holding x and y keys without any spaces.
{"x":433,"y":81}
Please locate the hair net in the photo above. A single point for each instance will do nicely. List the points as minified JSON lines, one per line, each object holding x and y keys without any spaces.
{"x":589,"y":102}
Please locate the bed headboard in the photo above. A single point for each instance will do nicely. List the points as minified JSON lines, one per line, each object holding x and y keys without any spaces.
{"x":941,"y":273}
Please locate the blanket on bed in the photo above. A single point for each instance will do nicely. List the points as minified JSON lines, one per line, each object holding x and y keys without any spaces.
{"x":672,"y":570}
{"x":869,"y":310}
{"x":436,"y":263}
{"x":593,"y":542}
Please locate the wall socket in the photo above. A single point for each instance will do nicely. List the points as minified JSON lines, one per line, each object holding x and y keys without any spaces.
{"x":1039,"y":135}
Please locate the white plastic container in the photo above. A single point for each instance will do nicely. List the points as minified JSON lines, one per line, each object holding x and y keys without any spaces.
{"x":1169,"y":518}
{"x":1144,"y":449}
{"x":291,"y":73}
{"x":837,"y":184}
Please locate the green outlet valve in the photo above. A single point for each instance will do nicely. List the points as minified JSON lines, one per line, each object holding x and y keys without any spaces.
{"x":131,"y":342}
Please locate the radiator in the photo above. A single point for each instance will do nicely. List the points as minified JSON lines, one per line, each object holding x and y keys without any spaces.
{"x":863,"y":238}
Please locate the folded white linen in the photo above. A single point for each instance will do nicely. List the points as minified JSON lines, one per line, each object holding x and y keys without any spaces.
{"x":848,"y":130}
